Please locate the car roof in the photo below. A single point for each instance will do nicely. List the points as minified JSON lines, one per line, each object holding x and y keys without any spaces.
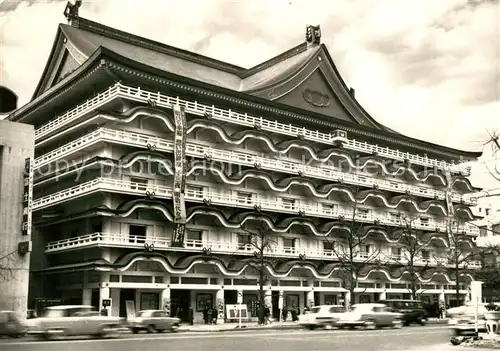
{"x":64,"y":307}
{"x":369,"y":305}
{"x":151,"y":311}
{"x":399,"y":300}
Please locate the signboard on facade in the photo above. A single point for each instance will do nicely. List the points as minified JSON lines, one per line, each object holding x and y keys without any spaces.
{"x":280,"y":300}
{"x":240,"y":297}
{"x":179,"y":187}
{"x":130,"y":307}
{"x":27,"y":196}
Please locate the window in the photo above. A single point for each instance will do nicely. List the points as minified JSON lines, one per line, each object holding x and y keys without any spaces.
{"x":196,"y":191}
{"x":194,"y":238}
{"x":496,"y":229}
{"x":137,"y":234}
{"x":244,"y":242}
{"x":289,"y":245}
{"x":138,"y":184}
{"x":363,"y":212}
{"x":97,"y":228}
{"x":328,"y":246}
{"x":425,"y":255}
{"x":329,"y":208}
{"x":364,"y":251}
{"x":483,"y":231}
{"x":424,"y":221}
{"x":394,"y":217}
{"x":396,"y":253}
{"x":288,"y":203}
{"x":244,"y":197}
{"x":487,"y":211}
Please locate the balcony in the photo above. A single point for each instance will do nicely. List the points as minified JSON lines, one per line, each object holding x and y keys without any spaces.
{"x":287,"y":166}
{"x":243,"y":119}
{"x":236,"y":201}
{"x":103,"y":135}
{"x":220,"y":247}
{"x":316,"y":210}
{"x":101,"y":184}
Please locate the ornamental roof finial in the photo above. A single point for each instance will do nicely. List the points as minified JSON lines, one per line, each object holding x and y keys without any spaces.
{"x":313,"y":34}
{"x":71,"y":10}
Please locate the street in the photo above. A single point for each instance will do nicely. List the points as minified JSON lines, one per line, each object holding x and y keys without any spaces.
{"x":410,"y":338}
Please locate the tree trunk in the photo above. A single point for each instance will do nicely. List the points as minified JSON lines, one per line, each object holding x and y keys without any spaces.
{"x":261,"y":296}
{"x":457,"y":284}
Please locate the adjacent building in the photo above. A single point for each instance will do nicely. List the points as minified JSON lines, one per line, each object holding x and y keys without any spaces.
{"x":16,"y":155}
{"x":154,"y":165}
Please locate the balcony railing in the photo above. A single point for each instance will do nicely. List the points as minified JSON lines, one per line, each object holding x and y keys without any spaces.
{"x":101,"y":184}
{"x":103,"y":135}
{"x":317,"y":210}
{"x":325,"y":172}
{"x":234,"y":200}
{"x":162,"y":243}
{"x":162,"y":100}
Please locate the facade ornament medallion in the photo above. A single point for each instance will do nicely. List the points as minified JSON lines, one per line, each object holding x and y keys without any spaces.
{"x":316,"y":98}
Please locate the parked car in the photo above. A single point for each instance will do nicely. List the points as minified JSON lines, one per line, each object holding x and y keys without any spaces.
{"x":462,"y":319}
{"x":153,"y":321}
{"x":371,"y":316}
{"x":11,"y":325}
{"x":412,"y":310}
{"x":76,"y":320}
{"x":325,"y":316}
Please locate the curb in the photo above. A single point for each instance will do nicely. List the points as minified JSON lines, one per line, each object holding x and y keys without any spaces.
{"x":273,"y":327}
{"x":236,"y":329}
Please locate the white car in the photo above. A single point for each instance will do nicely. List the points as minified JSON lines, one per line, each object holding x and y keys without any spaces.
{"x":462,"y":319}
{"x":325,"y":316}
{"x":153,"y":321}
{"x":371,"y":316}
{"x":75,"y":320}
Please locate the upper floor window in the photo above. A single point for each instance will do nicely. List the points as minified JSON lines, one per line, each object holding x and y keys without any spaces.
{"x":288,"y":203}
{"x":487,"y":211}
{"x":328,"y":246}
{"x":137,"y":233}
{"x":244,"y":241}
{"x":483,"y":231}
{"x":244,"y":197}
{"x":138,"y":183}
{"x":195,"y":237}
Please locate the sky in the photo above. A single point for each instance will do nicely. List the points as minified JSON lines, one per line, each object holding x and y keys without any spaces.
{"x":429,"y":69}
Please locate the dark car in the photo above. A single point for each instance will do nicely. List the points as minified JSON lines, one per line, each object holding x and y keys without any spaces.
{"x":412,"y":310}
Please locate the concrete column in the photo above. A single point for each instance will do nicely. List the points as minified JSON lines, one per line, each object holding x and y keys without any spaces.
{"x":220,"y":305}
{"x":268,"y":298}
{"x":104,"y":293}
{"x":383,"y":294}
{"x":165,"y":300}
{"x":310,"y":294}
{"x":86,"y":296}
{"x":347,"y":299}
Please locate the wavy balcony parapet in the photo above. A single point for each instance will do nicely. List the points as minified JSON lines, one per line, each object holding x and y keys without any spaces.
{"x":224,"y":199}
{"x":325,"y":172}
{"x":243,"y":119}
{"x":163,"y":243}
{"x":102,"y":184}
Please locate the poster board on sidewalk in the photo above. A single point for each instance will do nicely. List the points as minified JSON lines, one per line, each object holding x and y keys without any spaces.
{"x":130,"y":306}
{"x":234,"y":311}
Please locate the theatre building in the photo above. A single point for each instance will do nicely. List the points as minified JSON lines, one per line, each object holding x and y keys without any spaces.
{"x":155,"y":166}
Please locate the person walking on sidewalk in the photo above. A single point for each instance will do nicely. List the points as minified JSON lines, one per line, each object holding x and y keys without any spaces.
{"x":267,"y":315}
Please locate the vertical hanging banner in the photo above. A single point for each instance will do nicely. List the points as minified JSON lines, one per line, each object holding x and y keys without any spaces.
{"x":27,"y":196}
{"x":179,"y":177}
{"x":449,"y":206}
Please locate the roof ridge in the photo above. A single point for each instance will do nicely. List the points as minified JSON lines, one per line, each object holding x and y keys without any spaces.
{"x":113,"y":33}
{"x":298,"y":49}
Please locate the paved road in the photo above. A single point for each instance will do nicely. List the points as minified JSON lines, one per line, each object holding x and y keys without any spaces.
{"x":428,"y":338}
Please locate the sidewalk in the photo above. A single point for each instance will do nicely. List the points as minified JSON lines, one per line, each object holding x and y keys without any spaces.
{"x":254,"y":326}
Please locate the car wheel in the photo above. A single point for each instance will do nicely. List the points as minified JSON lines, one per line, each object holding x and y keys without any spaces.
{"x":422,"y":321}
{"x":311,"y":327}
{"x":151,"y":328}
{"x":397,"y":323}
{"x":174,"y":328}
{"x":370,"y":324}
{"x":108,"y":331}
{"x":135,"y":330}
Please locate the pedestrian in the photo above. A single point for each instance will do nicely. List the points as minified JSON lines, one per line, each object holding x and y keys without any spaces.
{"x":191,"y":315}
{"x":205,"y":314}
{"x":267,"y":315}
{"x":214,"y":316}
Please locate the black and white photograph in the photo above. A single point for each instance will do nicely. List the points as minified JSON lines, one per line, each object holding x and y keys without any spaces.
{"x":249,"y":175}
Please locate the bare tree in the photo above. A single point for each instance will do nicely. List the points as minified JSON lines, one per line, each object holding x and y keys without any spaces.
{"x":262,"y":241}
{"x":494,"y":141}
{"x":353,"y":250}
{"x":411,"y":247}
{"x":461,"y":253}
